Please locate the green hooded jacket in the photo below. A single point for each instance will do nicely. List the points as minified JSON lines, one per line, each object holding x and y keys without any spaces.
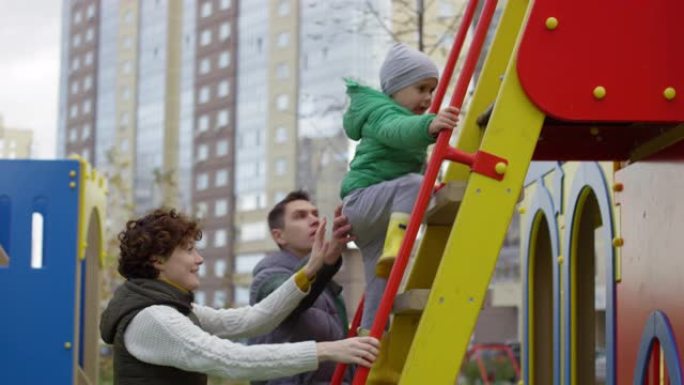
{"x":392,"y":140}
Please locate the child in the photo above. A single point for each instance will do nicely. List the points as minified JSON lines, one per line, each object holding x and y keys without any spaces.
{"x":384,"y":177}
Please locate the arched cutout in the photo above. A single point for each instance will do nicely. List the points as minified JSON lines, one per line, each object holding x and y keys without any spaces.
{"x":38,"y":233}
{"x":584,"y":261}
{"x":588,"y":205}
{"x":541,"y":288}
{"x":37,"y":243}
{"x":89,"y":281}
{"x":658,"y":329}
{"x":541,"y":300}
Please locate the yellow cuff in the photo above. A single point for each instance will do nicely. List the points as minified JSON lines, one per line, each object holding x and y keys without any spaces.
{"x":302,"y":281}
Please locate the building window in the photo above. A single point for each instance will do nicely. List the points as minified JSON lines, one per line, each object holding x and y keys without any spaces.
{"x":91,"y":11}
{"x":86,"y":155}
{"x":75,"y":64}
{"x":261,"y":168}
{"x":201,"y":212}
{"x":282,"y":71}
{"x":73,"y":112}
{"x":74,"y":87}
{"x":126,"y":67}
{"x":127,"y":42}
{"x":220,"y":268}
{"x":77,"y":17}
{"x":219,"y":299}
{"x":282,"y":102}
{"x":202,"y":272}
{"x":279,"y":196}
{"x":284,"y":7}
{"x":206,"y":8}
{"x":283,"y":39}
{"x":128,"y":17}
{"x":222,"y":118}
{"x":224,"y":31}
{"x":280,"y":167}
{"x":224,"y":59}
{"x":87,"y":82}
{"x":202,"y":152}
{"x":89,"y":34}
{"x":205,"y":38}
{"x":245,"y":263}
{"x":221,"y":178}
{"x":76,"y":41}
{"x":125,"y":93}
{"x":89,"y":58}
{"x":124,"y":119}
{"x":223,"y":89}
{"x":253,"y":231}
{"x":86,"y":106}
{"x":205,"y":66}
{"x":85,"y":134}
{"x":222,"y":148}
{"x":225,"y":4}
{"x":245,"y":170}
{"x":281,"y":135}
{"x":73,"y":135}
{"x":203,"y":123}
{"x":220,"y":239}
{"x":220,"y":208}
{"x":247,"y":202}
{"x":202,"y":182}
{"x":200,"y":296}
{"x":202,"y":243}
{"x":204,"y":94}
{"x":241,"y":296}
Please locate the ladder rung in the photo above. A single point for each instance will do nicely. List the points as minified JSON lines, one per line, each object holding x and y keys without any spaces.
{"x":411,"y":301}
{"x":444,"y":204}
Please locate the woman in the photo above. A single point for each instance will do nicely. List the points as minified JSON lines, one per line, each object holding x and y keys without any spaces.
{"x":161,"y":337}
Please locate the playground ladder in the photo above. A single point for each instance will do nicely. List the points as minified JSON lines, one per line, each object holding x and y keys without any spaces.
{"x":468,"y":218}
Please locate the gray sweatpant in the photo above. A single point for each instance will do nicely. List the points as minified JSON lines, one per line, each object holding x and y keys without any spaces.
{"x":368,"y":210}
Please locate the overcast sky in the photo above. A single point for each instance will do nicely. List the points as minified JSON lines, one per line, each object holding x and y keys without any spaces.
{"x":29,"y":69}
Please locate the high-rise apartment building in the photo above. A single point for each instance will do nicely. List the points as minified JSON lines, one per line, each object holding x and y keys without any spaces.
{"x":147,"y":97}
{"x":266,"y":136}
{"x":214,"y":144}
{"x":79,"y":78}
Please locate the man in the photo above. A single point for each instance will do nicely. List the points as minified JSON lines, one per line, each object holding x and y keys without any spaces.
{"x":321,"y":315}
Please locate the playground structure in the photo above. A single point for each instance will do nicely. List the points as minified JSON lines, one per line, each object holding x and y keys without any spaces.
{"x":586,"y":81}
{"x":51,"y":253}
{"x":565,"y":85}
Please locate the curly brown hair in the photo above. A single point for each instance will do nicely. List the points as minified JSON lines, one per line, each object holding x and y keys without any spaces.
{"x":156,"y":234}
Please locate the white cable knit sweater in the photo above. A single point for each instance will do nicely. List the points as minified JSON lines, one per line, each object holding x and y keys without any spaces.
{"x":161,"y":335}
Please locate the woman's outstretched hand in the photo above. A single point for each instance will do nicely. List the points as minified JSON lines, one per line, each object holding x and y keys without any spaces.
{"x":354,"y":350}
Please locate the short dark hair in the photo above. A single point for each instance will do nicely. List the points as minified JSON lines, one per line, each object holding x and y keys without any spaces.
{"x":277,"y":213}
{"x":156,"y":234}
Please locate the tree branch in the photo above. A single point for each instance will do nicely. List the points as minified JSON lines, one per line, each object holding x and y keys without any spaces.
{"x":375,"y":13}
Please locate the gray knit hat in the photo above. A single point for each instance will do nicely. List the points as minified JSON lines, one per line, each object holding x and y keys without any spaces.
{"x":404,"y":66}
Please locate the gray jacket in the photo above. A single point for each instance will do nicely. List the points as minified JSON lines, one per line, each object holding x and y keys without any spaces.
{"x":320,"y":316}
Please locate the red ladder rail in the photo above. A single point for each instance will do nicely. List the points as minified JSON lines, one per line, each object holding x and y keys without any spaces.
{"x":442,"y":151}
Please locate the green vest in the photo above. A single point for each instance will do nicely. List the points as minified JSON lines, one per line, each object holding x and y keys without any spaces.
{"x":131,"y":298}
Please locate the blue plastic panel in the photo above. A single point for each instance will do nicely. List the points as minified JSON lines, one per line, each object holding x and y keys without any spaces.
{"x":38,"y":304}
